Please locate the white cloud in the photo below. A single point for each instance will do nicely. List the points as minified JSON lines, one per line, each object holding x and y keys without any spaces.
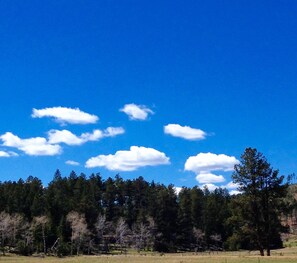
{"x":64,"y":136}
{"x":7,"y":154}
{"x":66,"y":115}
{"x":4,"y":154}
{"x":32,"y":146}
{"x":205,"y":178}
{"x":234,"y":192}
{"x":206,"y":162}
{"x":210,"y":187}
{"x":177,"y":189}
{"x":113,"y":131}
{"x":74,"y":163}
{"x":130,"y":160}
{"x":231,"y":185}
{"x":94,"y":136}
{"x":184,"y":132}
{"x":136,"y":112}
{"x":232,"y":188}
{"x":67,"y":137}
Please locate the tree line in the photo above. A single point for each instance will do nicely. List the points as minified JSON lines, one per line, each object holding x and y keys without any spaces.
{"x":91,"y":215}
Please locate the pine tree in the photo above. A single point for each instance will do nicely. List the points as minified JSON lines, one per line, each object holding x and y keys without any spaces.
{"x":263,"y":190}
{"x":185,"y":223}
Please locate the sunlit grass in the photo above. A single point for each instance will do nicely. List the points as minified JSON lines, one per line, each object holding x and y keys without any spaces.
{"x":286,"y":255}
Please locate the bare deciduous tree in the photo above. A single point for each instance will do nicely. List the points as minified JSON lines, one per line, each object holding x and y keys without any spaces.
{"x":101,"y":226}
{"x":152,"y":227}
{"x":27,"y":230}
{"x":199,"y":238}
{"x":121,"y":232}
{"x":79,"y":228}
{"x":9,"y":225}
{"x":217,"y":240}
{"x":15,"y":225}
{"x":141,"y":235}
{"x":4,"y":229}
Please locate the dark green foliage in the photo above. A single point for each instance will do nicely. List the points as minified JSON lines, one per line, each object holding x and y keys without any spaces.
{"x":197,"y":206}
{"x":166,"y":219}
{"x":185,"y":221}
{"x":193,"y":220}
{"x":216,"y":212}
{"x":261,"y":202}
{"x":23,"y":249}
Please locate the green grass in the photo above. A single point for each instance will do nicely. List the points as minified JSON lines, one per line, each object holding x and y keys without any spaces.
{"x":286,"y":255}
{"x":291,"y":242}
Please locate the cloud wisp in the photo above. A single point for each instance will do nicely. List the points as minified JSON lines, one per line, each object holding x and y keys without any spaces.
{"x":65,"y":115}
{"x":184,"y":132}
{"x":203,"y":164}
{"x":136,"y":112}
{"x":36,"y":146}
{"x":67,"y":137}
{"x":72,"y":163}
{"x":113,"y":131}
{"x":130,"y":160}
{"x":7,"y":154}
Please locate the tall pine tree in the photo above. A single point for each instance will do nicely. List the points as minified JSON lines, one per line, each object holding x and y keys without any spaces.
{"x":263,"y":190}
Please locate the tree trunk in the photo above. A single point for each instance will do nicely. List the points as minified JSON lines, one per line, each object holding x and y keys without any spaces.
{"x":268,"y":251}
{"x":43,"y":236}
{"x":2,"y":244}
{"x":261,"y":252}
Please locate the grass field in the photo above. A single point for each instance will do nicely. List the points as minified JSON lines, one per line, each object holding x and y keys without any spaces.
{"x":286,"y":255}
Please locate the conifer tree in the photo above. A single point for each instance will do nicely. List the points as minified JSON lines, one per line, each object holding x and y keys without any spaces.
{"x":263,"y":190}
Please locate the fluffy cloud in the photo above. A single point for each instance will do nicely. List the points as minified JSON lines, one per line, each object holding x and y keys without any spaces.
{"x":73,"y":163}
{"x":136,"y":112}
{"x":206,"y":162}
{"x":130,"y":160}
{"x":32,"y":146}
{"x":206,"y":178}
{"x":42,"y":146}
{"x":184,"y":132}
{"x":7,"y":154}
{"x":66,"y":115}
{"x":67,"y":137}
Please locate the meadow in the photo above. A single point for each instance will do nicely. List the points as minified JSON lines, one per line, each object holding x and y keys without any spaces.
{"x":285,"y":255}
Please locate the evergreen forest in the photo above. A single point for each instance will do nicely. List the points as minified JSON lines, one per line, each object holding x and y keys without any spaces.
{"x":80,"y":214}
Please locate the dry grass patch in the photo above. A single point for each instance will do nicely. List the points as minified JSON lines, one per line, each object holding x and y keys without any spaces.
{"x":287,"y":255}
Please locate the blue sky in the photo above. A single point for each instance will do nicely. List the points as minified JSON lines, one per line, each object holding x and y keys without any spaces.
{"x":213,"y":77}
